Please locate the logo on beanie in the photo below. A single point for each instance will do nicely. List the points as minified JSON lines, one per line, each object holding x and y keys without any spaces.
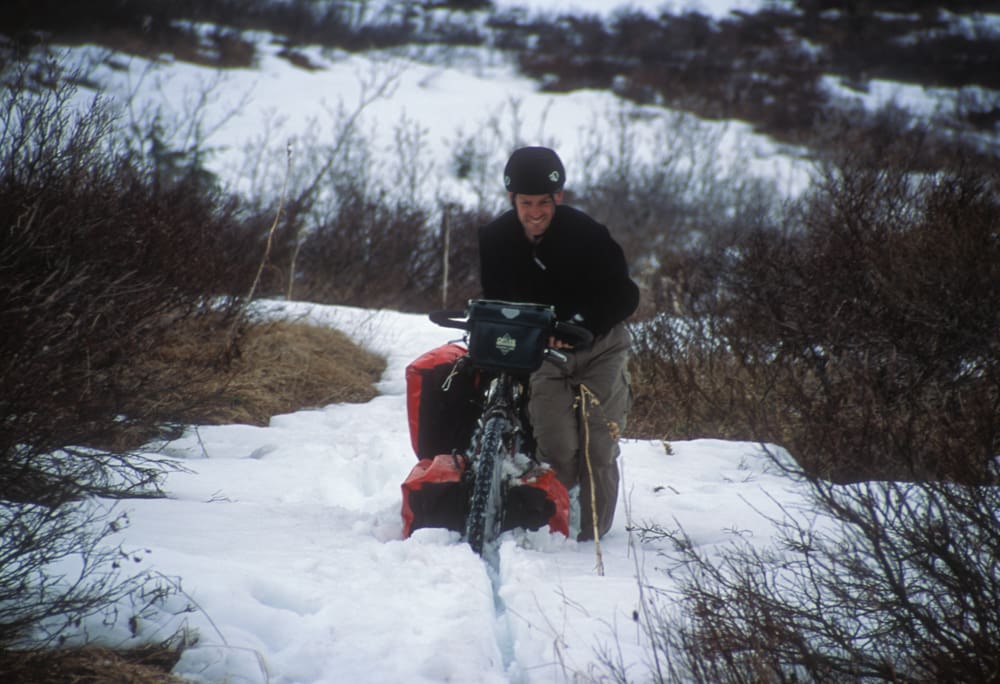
{"x":506,"y":181}
{"x":554,"y":176}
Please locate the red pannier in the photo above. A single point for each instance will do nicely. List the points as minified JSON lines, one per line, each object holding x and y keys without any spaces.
{"x":535,"y":499}
{"x":442,"y":401}
{"x":435,"y":494}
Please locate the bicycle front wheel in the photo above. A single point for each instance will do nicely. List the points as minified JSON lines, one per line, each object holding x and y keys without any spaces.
{"x":482,"y":526}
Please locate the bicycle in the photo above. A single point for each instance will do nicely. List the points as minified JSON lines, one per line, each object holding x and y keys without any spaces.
{"x":508,"y":341}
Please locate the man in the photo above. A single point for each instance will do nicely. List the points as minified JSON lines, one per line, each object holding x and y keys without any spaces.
{"x":545,"y":252}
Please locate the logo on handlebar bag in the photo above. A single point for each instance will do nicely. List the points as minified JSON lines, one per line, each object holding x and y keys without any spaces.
{"x":505,"y":344}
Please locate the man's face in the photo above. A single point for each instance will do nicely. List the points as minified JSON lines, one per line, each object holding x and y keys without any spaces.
{"x":535,"y":213}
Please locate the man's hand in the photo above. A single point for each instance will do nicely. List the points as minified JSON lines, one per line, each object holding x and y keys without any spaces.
{"x":558,"y":344}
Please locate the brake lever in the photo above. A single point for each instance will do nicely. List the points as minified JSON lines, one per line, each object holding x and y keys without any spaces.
{"x":549,"y":351}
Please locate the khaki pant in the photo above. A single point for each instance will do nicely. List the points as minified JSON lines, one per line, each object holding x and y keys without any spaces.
{"x":554,"y":414}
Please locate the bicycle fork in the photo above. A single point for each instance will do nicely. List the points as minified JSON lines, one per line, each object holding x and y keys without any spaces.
{"x":497,"y":439}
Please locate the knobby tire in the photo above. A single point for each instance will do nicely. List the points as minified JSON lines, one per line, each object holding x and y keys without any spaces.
{"x":482,"y":526}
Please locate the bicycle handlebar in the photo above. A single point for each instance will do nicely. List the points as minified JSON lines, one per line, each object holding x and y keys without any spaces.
{"x":579,"y":337}
{"x":446,"y":318}
{"x":573,"y":334}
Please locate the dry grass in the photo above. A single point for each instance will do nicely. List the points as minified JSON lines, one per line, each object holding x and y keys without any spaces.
{"x":280,"y":367}
{"x":289,"y":366}
{"x":90,"y":665}
{"x":190,"y":378}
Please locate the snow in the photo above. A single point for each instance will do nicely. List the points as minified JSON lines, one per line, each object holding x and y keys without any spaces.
{"x":438,"y":96}
{"x":417,"y":105}
{"x":288,"y":540}
{"x":711,"y":8}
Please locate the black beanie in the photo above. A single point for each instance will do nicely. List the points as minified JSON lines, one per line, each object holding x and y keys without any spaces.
{"x":534,"y":171}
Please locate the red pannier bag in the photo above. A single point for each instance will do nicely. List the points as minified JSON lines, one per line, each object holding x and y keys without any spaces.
{"x":442,"y":401}
{"x":435,"y":494}
{"x":536,"y":499}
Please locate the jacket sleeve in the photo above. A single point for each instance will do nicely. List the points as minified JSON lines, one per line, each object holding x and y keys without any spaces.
{"x":615,"y":295}
{"x":612,"y":295}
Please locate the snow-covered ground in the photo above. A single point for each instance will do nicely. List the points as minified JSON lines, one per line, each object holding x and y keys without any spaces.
{"x":288,"y":539}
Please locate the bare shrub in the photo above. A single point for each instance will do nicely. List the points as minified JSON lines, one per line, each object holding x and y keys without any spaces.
{"x":59,"y":571}
{"x":684,"y":377}
{"x":363,"y":230}
{"x":363,"y":243}
{"x":99,"y":262}
{"x":339,"y":228}
{"x":679,"y":213}
{"x":857,"y":334}
{"x":741,"y":67}
{"x":151,"y":27}
{"x":873,"y":329}
{"x":372,"y":221}
{"x":693,"y":195}
{"x":879,"y":582}
{"x":860,"y":336}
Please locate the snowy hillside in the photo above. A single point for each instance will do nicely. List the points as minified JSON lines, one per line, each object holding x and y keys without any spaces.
{"x":418,"y":105}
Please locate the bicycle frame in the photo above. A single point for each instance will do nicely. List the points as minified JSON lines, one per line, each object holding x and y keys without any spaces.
{"x":509,"y":339}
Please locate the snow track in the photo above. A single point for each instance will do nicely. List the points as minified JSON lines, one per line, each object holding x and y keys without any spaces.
{"x":287,"y":540}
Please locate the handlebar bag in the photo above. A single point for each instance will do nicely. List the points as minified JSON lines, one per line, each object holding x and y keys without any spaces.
{"x":509,"y":336}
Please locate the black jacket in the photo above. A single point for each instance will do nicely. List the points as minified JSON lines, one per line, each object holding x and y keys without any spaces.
{"x":577,"y":267}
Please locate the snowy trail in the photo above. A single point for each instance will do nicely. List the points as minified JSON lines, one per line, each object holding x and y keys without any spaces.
{"x":288,"y":540}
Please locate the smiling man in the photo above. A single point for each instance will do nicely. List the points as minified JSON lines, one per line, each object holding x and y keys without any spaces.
{"x":546,"y":252}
